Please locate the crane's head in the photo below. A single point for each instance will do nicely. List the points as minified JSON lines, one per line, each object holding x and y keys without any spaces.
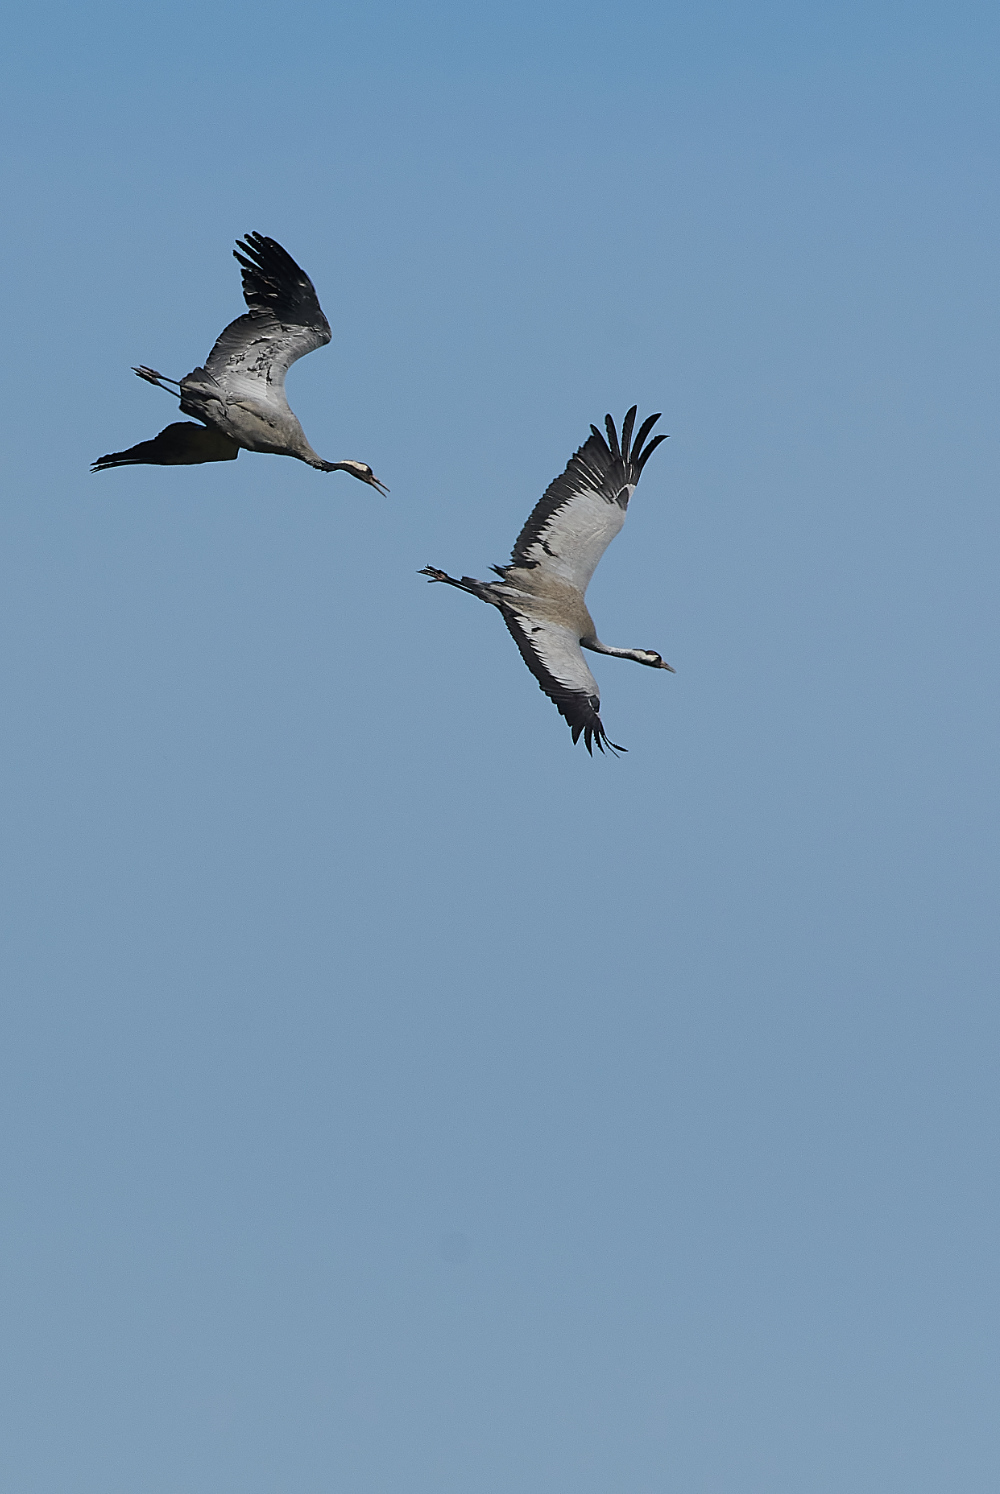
{"x":360,"y":470}
{"x":647,"y":656}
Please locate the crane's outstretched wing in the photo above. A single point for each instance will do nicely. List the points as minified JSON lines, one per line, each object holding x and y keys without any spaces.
{"x":555,"y":658}
{"x":285,"y":321}
{"x":182,"y":444}
{"x":579,"y":514}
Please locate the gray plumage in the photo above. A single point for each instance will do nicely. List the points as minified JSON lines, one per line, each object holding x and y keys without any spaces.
{"x":239,"y":394}
{"x":540,"y":594}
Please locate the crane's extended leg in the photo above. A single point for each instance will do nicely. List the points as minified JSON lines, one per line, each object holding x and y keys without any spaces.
{"x":152,"y":377}
{"x":474,"y":588}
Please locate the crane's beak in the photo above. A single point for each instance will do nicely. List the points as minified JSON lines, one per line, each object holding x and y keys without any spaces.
{"x":374,"y":482}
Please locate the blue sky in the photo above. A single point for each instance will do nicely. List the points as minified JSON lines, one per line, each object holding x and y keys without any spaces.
{"x":393,"y":1098}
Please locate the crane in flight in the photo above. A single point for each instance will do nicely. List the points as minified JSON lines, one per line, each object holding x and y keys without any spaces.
{"x":239,"y":395}
{"x":540,"y":593}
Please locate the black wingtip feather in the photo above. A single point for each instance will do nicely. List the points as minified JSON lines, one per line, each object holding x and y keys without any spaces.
{"x":273,"y":282}
{"x":644,"y":430}
{"x":613,"y":446}
{"x":627,"y":425}
{"x":644,"y":456}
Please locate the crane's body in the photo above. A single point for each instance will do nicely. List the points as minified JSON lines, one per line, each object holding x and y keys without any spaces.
{"x":540,"y":593}
{"x":249,"y":422}
{"x":239,"y":394}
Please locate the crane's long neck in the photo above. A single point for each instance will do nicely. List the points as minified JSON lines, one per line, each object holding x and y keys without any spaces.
{"x":640,"y":655}
{"x":597,"y":647}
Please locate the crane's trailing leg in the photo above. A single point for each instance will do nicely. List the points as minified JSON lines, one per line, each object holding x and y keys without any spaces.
{"x":474,"y":588}
{"x":152,"y":377}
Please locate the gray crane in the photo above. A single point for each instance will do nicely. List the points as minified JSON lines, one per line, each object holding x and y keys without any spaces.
{"x":540,"y":593}
{"x":239,"y":395}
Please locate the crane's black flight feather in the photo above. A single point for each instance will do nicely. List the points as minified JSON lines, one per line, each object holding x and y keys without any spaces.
{"x":644,"y":430}
{"x":273,"y":282}
{"x":182,"y":444}
{"x":627,"y":425}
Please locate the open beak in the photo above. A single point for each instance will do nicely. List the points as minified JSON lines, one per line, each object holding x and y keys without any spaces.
{"x":374,"y":482}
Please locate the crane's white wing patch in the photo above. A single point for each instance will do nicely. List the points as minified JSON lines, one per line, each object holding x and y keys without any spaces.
{"x":573,"y":538}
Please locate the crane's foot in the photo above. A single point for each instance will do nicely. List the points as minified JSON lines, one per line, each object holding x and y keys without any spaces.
{"x":467,"y":583}
{"x":152,"y":377}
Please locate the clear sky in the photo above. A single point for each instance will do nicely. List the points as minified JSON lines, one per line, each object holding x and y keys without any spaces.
{"x":395,"y":1100}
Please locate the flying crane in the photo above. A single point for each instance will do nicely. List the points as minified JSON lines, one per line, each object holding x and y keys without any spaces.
{"x":540,"y":593}
{"x":239,"y":395}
